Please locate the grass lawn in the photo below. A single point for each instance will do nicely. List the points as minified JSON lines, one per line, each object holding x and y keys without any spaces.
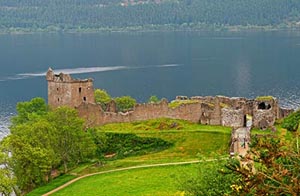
{"x":52,"y":185}
{"x":190,"y":141}
{"x":281,"y":132}
{"x":160,"y":181}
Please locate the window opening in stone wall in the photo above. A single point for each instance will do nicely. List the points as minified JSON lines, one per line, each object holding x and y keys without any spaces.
{"x":79,"y":89}
{"x":57,"y":89}
{"x":264,"y":106}
{"x":84,"y":98}
{"x":57,"y":99}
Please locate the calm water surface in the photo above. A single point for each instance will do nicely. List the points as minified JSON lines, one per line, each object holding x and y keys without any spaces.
{"x":144,"y":64}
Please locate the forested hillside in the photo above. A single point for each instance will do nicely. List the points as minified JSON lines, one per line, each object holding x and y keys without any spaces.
{"x":57,"y":15}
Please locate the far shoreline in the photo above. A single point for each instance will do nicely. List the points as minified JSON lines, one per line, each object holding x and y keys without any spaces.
{"x":152,"y":29}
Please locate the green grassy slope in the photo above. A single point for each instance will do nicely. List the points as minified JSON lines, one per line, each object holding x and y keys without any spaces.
{"x":150,"y":181}
{"x":190,"y":141}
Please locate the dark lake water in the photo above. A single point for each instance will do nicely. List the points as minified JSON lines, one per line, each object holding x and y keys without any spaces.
{"x":245,"y":64}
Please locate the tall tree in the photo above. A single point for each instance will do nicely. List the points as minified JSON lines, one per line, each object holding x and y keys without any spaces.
{"x":41,"y":141}
{"x":33,"y":156}
{"x":72,"y":145}
{"x":30,"y":109}
{"x":8,"y":181}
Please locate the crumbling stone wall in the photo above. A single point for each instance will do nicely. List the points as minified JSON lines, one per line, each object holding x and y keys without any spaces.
{"x":232,"y":118}
{"x":265,"y":112}
{"x":283,"y":112}
{"x":94,"y":115}
{"x":218,"y":110}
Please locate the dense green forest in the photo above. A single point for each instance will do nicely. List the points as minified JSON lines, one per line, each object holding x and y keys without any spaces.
{"x":61,"y":15}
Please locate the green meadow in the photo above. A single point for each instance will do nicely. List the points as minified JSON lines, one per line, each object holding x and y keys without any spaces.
{"x":189,"y":142}
{"x":149,"y":181}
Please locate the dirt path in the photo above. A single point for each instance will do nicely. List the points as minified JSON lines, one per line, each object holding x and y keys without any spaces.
{"x":127,"y":168}
{"x":241,"y":138}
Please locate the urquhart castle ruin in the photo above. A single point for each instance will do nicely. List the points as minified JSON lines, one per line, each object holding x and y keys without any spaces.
{"x":63,"y":90}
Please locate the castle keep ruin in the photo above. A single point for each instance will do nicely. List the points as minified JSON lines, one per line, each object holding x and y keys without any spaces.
{"x":63,"y":90}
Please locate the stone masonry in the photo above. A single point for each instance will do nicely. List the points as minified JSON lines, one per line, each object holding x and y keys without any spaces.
{"x":63,"y":90}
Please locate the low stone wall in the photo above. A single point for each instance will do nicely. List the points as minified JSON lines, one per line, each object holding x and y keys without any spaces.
{"x":94,"y":115}
{"x":209,"y":110}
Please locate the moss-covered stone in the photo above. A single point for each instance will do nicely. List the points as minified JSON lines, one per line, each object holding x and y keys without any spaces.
{"x":264,"y":98}
{"x":224,"y":105}
{"x":177,"y":103}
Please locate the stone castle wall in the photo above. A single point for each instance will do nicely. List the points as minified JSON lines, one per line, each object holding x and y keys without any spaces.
{"x":94,"y":114}
{"x":64,"y":90}
{"x":232,"y":118}
{"x":218,"y":110}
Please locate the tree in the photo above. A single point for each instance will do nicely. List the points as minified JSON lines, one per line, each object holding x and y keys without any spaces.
{"x":8,"y":180}
{"x":73,"y":145}
{"x":31,"y":145}
{"x":125,"y":103}
{"x":42,"y":141}
{"x":102,"y":98}
{"x":153,"y":99}
{"x":27,"y":110}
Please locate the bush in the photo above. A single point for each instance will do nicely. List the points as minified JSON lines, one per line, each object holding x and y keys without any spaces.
{"x":153,"y":99}
{"x":124,"y":145}
{"x":125,"y":103}
{"x":272,"y":168}
{"x":292,"y":121}
{"x":102,"y":97}
{"x":210,"y":180}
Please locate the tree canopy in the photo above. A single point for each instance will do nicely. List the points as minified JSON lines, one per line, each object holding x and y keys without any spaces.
{"x":55,"y":15}
{"x":125,"y":103}
{"x":102,"y":97}
{"x":42,"y":141}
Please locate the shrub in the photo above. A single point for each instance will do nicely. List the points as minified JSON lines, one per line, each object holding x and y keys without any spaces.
{"x":125,"y":103}
{"x":102,"y":97}
{"x":124,"y":145}
{"x":292,"y":121}
{"x":153,"y":99}
{"x":272,"y":168}
{"x":209,"y":180}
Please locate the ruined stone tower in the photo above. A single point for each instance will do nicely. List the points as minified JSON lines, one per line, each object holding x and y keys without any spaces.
{"x":63,"y":90}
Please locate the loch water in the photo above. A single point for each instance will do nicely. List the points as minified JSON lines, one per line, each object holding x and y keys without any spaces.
{"x":164,"y":64}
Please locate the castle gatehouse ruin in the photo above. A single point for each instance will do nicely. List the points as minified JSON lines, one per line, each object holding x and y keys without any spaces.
{"x":63,"y":90}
